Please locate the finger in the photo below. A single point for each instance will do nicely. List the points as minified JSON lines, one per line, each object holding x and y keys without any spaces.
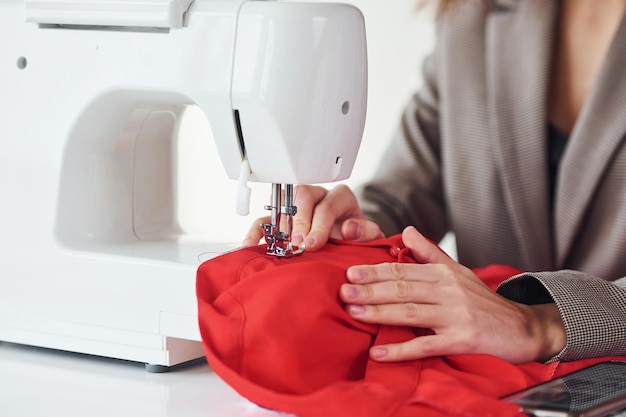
{"x":394,"y":271}
{"x":360,"y":230}
{"x":306,"y":198}
{"x":417,"y":348}
{"x":255,"y":234}
{"x":390,"y":292}
{"x":422,"y":249}
{"x":399,"y":314}
{"x":339,"y":203}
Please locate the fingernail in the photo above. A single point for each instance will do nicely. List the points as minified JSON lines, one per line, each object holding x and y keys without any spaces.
{"x":355,"y":275}
{"x":309,"y":242}
{"x":353,"y":231}
{"x":297,"y":238}
{"x":356,"y":309}
{"x":349,"y":292}
{"x":378,"y":352}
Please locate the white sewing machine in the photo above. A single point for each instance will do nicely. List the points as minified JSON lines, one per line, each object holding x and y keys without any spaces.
{"x":93,"y":258}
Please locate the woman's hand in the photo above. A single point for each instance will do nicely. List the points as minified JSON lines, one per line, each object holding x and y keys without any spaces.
{"x":322,"y":214}
{"x":465,"y":315}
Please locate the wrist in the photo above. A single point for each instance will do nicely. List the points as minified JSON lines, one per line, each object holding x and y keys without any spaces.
{"x":546,"y":330}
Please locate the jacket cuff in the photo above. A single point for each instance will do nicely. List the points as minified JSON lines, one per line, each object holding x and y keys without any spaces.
{"x":593,"y":310}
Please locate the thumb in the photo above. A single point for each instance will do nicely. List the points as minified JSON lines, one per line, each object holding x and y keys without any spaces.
{"x":360,"y":230}
{"x":423,"y":250}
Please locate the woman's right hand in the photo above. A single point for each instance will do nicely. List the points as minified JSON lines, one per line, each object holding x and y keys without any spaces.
{"x":323,"y":213}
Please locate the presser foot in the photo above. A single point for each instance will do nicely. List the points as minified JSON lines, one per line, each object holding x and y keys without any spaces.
{"x":280,"y":245}
{"x":286,"y":252}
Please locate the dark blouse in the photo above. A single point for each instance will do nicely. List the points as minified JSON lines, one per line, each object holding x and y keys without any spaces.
{"x":557,"y":140}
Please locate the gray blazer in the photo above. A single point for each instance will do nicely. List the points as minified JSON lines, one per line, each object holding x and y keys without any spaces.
{"x":471,"y":157}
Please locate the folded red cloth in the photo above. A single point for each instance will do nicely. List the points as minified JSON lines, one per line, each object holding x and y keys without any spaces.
{"x":275,"y":330}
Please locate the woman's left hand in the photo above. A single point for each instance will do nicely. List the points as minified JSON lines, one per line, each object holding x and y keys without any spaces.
{"x":464,"y":314}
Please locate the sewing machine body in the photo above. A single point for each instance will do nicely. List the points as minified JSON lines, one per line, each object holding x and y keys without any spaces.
{"x":94,"y":259}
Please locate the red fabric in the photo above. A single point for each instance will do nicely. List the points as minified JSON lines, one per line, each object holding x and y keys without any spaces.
{"x":275,"y":330}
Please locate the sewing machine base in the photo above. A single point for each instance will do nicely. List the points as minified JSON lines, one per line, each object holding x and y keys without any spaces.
{"x":136,"y":309}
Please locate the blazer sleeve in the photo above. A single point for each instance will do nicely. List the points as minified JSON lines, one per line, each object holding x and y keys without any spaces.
{"x":593,"y":310}
{"x":406,"y":188}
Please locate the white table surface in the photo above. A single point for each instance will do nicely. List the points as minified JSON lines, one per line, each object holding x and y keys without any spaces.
{"x":41,"y":382}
